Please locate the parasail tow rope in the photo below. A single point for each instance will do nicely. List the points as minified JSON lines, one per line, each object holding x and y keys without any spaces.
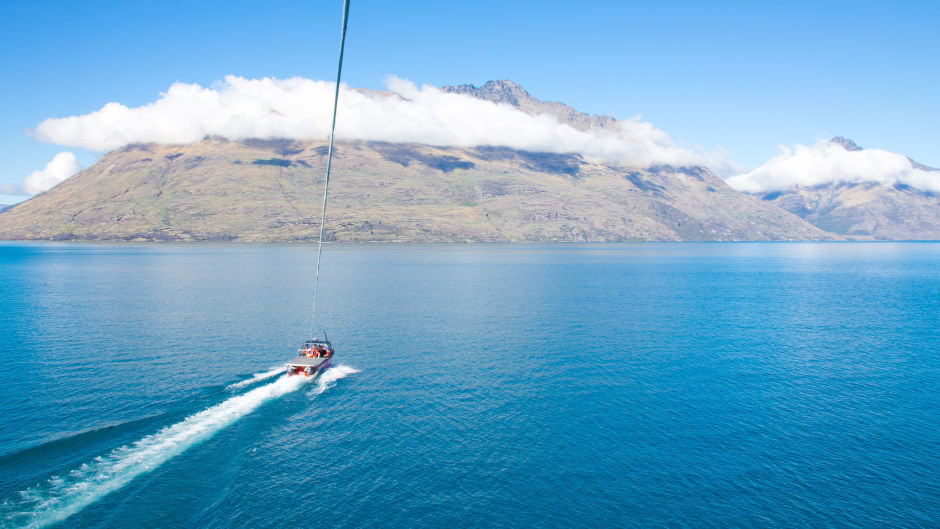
{"x":329,"y":164}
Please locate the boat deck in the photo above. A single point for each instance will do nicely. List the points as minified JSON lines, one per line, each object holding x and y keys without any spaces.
{"x":307,"y":361}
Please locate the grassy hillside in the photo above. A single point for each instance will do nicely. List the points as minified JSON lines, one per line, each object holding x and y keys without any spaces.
{"x":270,"y":190}
{"x":866,"y":211}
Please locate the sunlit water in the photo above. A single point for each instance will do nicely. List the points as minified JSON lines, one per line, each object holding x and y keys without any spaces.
{"x":648,"y":385}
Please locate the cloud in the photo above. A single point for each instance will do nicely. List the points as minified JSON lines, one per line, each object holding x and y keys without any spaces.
{"x":828,"y":162}
{"x":299,"y":108}
{"x":62,"y":166}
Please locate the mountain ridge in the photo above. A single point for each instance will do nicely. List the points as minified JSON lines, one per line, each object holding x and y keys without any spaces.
{"x":510,"y":93}
{"x":865,"y":210}
{"x":268,"y":190}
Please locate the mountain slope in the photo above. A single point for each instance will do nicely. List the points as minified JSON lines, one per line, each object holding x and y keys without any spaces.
{"x":508,"y":92}
{"x":867,"y":210}
{"x":269,"y":190}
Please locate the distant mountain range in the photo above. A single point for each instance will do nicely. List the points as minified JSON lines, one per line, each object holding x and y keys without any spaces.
{"x":866,"y":210}
{"x":269,"y":190}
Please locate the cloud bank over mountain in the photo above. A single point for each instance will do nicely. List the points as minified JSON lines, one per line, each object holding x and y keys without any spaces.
{"x":298,"y":108}
{"x":830,"y":162}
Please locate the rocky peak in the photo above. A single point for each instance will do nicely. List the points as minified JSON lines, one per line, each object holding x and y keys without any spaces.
{"x":502,"y":91}
{"x":846,"y":143}
{"x":850,"y":145}
{"x":510,"y":93}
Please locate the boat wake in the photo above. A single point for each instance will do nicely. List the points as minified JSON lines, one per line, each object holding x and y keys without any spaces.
{"x":328,"y":378}
{"x":257,"y":377}
{"x":63,"y":496}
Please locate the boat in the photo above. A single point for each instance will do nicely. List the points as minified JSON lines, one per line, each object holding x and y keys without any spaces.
{"x":314,"y":357}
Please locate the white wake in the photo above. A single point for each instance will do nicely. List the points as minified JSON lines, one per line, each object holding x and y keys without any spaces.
{"x":329,"y":377}
{"x":257,"y":377}
{"x":61,"y":497}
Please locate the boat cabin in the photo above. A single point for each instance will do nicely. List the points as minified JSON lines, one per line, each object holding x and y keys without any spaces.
{"x":316,"y":349}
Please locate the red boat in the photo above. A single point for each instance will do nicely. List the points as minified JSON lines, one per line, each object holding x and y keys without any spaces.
{"x":314,"y":357}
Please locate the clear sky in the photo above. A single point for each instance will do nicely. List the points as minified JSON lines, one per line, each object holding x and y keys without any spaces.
{"x":742,"y":76}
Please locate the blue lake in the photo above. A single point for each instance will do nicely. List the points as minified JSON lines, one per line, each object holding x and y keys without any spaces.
{"x":617,"y":385}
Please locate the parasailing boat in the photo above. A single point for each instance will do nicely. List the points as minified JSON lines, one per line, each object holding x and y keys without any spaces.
{"x":316,"y":355}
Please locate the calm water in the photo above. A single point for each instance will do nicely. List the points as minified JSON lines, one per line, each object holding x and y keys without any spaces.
{"x":648,"y":385}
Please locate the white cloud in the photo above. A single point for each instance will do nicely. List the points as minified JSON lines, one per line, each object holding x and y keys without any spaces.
{"x":299,"y":108}
{"x":828,"y":162}
{"x":62,"y":166}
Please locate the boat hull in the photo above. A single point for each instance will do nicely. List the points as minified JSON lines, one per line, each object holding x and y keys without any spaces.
{"x":308,"y":366}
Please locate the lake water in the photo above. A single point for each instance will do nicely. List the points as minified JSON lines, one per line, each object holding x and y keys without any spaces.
{"x":617,"y":385}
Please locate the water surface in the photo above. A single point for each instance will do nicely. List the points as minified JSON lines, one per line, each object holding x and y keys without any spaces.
{"x":617,"y":385}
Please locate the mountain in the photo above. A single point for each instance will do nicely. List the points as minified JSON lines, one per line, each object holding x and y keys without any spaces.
{"x":269,"y":190}
{"x":845,"y":143}
{"x":508,"y":92}
{"x":867,"y":210}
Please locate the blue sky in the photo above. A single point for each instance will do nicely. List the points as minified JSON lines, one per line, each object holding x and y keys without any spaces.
{"x":745,"y":77}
